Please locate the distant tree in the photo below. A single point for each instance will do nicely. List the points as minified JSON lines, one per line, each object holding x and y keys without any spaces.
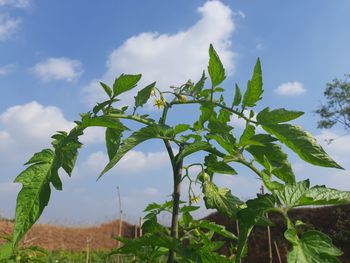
{"x":337,"y":109}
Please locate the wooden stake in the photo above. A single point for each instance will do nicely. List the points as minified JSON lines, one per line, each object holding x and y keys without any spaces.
{"x":278,"y":252}
{"x":88,"y":249}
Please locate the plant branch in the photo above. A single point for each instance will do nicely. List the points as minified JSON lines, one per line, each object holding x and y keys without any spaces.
{"x":130,"y":117}
{"x":239,"y":114}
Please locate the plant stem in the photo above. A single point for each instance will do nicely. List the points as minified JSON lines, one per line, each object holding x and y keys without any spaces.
{"x":195,"y":101}
{"x":174,"y":233}
{"x":130,"y":117}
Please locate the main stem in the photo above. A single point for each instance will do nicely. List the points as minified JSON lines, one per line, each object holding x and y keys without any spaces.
{"x":177,"y":174}
{"x":174,"y":233}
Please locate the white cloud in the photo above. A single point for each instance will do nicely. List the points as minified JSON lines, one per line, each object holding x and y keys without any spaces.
{"x":15,"y":3}
{"x":150,"y":191}
{"x":7,"y":26}
{"x":172,"y":59}
{"x":290,"y":89}
{"x":27,"y":128}
{"x":58,"y":69}
{"x":132,"y":162}
{"x":4,"y":70}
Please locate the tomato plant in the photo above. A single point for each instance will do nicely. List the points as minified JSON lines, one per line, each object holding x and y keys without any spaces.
{"x":212,"y":133}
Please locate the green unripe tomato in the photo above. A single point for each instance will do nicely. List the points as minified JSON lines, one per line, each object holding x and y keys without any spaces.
{"x":203,"y":177}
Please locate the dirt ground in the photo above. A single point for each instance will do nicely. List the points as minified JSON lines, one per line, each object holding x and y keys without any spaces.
{"x":53,"y":237}
{"x":334,"y":221}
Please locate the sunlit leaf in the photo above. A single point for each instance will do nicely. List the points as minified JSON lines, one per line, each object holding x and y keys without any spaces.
{"x":302,"y":143}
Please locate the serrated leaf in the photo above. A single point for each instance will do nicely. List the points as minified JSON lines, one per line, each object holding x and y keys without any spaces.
{"x":225,"y":140}
{"x":66,"y":151}
{"x":254,"y":87}
{"x":200,"y":84}
{"x":215,"y":68}
{"x":302,"y":143}
{"x":250,"y":216}
{"x":291,"y":193}
{"x":219,"y":229}
{"x":192,"y":148}
{"x":107,"y":89}
{"x":35,"y":192}
{"x":238,"y":96}
{"x":300,"y":194}
{"x":248,"y":132}
{"x":144,"y":134}
{"x":221,"y":199}
{"x":124,"y":83}
{"x":321,"y":195}
{"x":277,"y":116}
{"x":143,"y":95}
{"x":215,"y":166}
{"x":207,"y":112}
{"x":181,"y":128}
{"x":313,"y":247}
{"x":113,"y":137}
{"x":281,"y":167}
{"x":100,"y":121}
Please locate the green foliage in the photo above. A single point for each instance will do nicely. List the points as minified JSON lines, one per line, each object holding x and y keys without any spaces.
{"x":312,"y":247}
{"x":254,"y":87}
{"x":190,"y":240}
{"x":221,"y":199}
{"x":302,"y":143}
{"x":143,"y":95}
{"x":215,"y":68}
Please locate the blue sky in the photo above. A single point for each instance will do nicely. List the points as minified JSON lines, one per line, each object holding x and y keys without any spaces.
{"x":52,"y":53}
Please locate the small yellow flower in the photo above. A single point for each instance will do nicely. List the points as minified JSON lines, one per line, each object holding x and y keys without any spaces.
{"x":159,"y":103}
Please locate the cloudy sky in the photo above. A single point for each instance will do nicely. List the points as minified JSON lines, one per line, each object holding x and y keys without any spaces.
{"x":53,"y":53}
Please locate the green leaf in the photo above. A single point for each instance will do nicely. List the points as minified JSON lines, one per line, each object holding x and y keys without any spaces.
{"x":192,"y":148}
{"x":215,"y":166}
{"x":254,"y":87}
{"x":320,"y":195}
{"x":302,"y":143}
{"x":313,"y":247}
{"x":100,"y":121}
{"x":225,"y":140}
{"x":207,"y":112}
{"x":6,"y":252}
{"x":250,"y":216}
{"x":66,"y":151}
{"x":277,"y":116}
{"x":219,"y":229}
{"x":143,"y":95}
{"x":113,"y":137}
{"x":248,"y":132}
{"x":238,"y":97}
{"x":215,"y":68}
{"x":292,"y":193}
{"x":300,"y":194}
{"x":181,"y":128}
{"x":124,"y":83}
{"x":35,"y":193}
{"x":281,"y":167}
{"x":107,"y":89}
{"x":221,"y":199}
{"x":200,"y":84}
{"x":144,"y":134}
